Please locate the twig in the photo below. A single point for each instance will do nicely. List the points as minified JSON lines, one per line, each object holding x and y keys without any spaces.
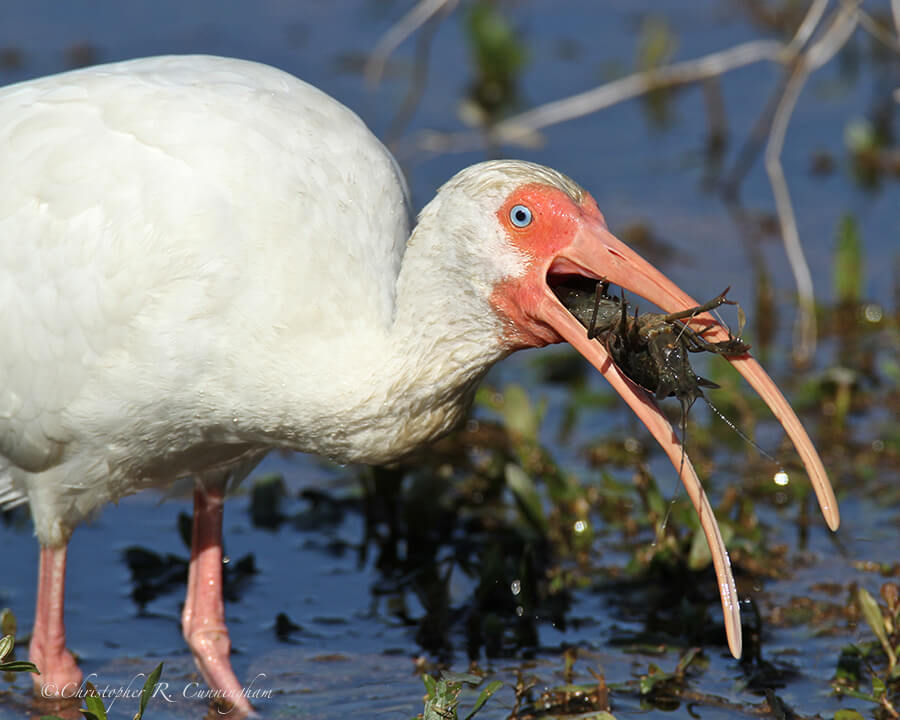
{"x":882,"y":34}
{"x":523,"y":127}
{"x":421,"y":13}
{"x":836,"y":36}
{"x":895,"y":11}
{"x":762,"y":127}
{"x":419,"y":75}
{"x":805,"y":325}
{"x":755,"y":141}
{"x":819,"y":53}
{"x":688,"y":71}
{"x":808,"y":26}
{"x":887,"y":705}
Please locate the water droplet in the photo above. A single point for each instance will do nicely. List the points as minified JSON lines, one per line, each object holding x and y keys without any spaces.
{"x":873,"y":313}
{"x":580,"y":526}
{"x":781,"y":478}
{"x":225,"y":559}
{"x":520,"y":611}
{"x":516,"y":587}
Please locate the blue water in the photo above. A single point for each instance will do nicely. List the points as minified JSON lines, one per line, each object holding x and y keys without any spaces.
{"x":349,"y":638}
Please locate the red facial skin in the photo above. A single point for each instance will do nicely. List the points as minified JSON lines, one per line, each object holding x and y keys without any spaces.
{"x":555,"y":222}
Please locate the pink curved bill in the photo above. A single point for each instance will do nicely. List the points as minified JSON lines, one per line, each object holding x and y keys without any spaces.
{"x":596,"y":253}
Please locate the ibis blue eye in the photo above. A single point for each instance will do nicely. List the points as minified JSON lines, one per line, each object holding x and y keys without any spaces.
{"x":520,"y":216}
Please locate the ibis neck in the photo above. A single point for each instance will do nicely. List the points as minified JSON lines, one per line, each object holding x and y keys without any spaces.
{"x":442,"y":341}
{"x":381,"y":387}
{"x":380,"y":391}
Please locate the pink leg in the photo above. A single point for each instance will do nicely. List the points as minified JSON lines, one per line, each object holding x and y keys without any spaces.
{"x":60,"y":675}
{"x":203,"y":617}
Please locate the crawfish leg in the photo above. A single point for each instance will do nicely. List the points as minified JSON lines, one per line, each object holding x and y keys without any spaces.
{"x":595,"y":328}
{"x":599,"y":294}
{"x":695,"y":342}
{"x":705,"y":307}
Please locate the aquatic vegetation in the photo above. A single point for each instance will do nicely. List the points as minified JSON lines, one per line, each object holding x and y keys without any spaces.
{"x":7,"y":643}
{"x":442,"y":695}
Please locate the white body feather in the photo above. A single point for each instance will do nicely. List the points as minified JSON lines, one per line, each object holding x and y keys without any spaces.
{"x":201,"y":258}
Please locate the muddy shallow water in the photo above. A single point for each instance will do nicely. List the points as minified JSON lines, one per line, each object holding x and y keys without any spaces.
{"x":321,"y":628}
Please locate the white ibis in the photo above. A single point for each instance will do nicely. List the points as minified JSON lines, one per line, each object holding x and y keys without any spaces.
{"x":204,"y":258}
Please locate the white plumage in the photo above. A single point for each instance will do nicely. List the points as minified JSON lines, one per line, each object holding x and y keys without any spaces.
{"x":126,"y":300}
{"x":204,"y":258}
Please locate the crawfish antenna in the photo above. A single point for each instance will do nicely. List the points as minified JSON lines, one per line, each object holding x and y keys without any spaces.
{"x":685,"y":407}
{"x":740,"y":434}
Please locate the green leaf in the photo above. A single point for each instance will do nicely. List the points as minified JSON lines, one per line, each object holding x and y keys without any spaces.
{"x":860,"y":136}
{"x":19,"y":666}
{"x":457,"y":678}
{"x":7,"y":622}
{"x":527,"y":496}
{"x":656,"y":43}
{"x":491,"y":688}
{"x":647,"y":683}
{"x":857,"y":694}
{"x":443,"y":704}
{"x":95,"y":705}
{"x":848,"y":262}
{"x":847,"y":715}
{"x":699,"y":556}
{"x":654,"y":677}
{"x":498,"y":52}
{"x":147,"y":691}
{"x":685,"y":660}
{"x":519,"y":414}
{"x":6,"y":644}
{"x":872,"y":613}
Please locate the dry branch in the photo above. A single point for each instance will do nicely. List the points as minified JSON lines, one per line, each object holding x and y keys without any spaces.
{"x":800,"y":57}
{"x":420,"y":14}
{"x":819,"y":53}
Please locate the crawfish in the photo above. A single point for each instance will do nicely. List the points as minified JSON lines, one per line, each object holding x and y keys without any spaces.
{"x":652,"y":348}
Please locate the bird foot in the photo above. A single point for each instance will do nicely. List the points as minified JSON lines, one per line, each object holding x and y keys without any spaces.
{"x":211,"y":649}
{"x":60,"y":675}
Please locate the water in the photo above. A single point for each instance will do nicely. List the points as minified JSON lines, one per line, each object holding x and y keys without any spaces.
{"x":351,"y":653}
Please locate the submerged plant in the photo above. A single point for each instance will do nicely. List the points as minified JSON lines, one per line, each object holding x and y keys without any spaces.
{"x":442,"y":695}
{"x":7,"y":643}
{"x":858,"y":660}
